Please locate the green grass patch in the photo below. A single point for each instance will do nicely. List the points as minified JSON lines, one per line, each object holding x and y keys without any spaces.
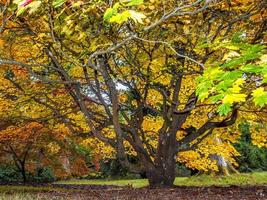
{"x":27,"y":196}
{"x":256,"y":178}
{"x":30,"y":189}
{"x":5,"y":188}
{"x":137,"y":183}
{"x":10,"y":192}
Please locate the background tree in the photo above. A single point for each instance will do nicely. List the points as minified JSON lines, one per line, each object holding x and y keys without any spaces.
{"x":252,"y":158}
{"x":33,"y":147}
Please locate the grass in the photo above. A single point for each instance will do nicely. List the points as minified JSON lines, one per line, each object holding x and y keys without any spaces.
{"x":137,"y":183}
{"x":256,"y":178}
{"x":12,"y":192}
{"x":27,"y":196}
{"x":32,"y":189}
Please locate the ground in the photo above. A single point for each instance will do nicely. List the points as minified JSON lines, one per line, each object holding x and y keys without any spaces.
{"x":236,"y":187}
{"x":94,"y":192}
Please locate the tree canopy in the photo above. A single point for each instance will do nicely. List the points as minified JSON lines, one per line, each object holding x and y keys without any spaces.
{"x":160,"y":80}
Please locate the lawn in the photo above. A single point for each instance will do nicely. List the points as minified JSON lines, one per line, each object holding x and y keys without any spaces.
{"x":256,"y":178}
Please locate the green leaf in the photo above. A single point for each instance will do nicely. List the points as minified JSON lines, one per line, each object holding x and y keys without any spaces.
{"x":259,"y":97}
{"x":116,"y":6}
{"x":232,"y":47}
{"x":133,"y":2}
{"x":231,"y":75}
{"x":237,"y":37}
{"x":21,"y":11}
{"x":250,"y":68}
{"x":255,"y":48}
{"x":109,"y":13}
{"x":227,"y":79}
{"x":58,"y":3}
{"x":120,"y":18}
{"x":251,"y":56}
{"x":224,"y":85}
{"x":216,"y":98}
{"x":224,"y":109}
{"x":213,"y":73}
{"x":233,"y":63}
{"x":264,"y":78}
{"x":202,"y":89}
{"x":203,"y":95}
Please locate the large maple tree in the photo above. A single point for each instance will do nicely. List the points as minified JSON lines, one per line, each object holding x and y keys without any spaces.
{"x":155,"y":78}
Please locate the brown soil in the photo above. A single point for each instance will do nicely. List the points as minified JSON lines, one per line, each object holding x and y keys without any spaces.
{"x":83,"y":192}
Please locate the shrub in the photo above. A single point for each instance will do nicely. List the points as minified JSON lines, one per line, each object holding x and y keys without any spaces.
{"x":182,"y":171}
{"x":252,"y":157}
{"x":9,"y":173}
{"x":44,"y":174}
{"x":94,"y":175}
{"x":112,"y":167}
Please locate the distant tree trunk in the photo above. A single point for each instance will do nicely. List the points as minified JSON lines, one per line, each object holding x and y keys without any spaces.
{"x":21,"y":168}
{"x":96,"y":161}
{"x":224,"y":166}
{"x":23,"y":172}
{"x":39,"y":162}
{"x":66,"y":164}
{"x":20,"y":163}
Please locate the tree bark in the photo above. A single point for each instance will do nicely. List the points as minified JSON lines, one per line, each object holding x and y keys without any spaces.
{"x":23,"y":173}
{"x":162,"y":176}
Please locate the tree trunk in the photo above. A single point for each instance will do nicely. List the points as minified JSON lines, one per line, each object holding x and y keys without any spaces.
{"x":163,"y":174}
{"x":224,"y":166}
{"x":161,"y":178}
{"x":23,"y":172}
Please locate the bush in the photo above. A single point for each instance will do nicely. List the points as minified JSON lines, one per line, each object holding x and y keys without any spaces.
{"x":112,"y":168}
{"x":44,"y":174}
{"x":182,"y":171}
{"x":252,"y":157}
{"x":94,"y":175}
{"x":85,"y":152}
{"x":9,"y":173}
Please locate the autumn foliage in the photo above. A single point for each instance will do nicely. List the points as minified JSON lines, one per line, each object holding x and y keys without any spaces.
{"x":161,"y":81}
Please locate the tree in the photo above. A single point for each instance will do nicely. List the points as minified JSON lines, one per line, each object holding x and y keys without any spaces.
{"x":33,"y":146}
{"x":128,"y":63}
{"x":252,"y":158}
{"x":19,"y":145}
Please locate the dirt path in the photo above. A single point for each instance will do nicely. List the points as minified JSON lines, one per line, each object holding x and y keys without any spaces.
{"x":101,"y":192}
{"x":179,"y":193}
